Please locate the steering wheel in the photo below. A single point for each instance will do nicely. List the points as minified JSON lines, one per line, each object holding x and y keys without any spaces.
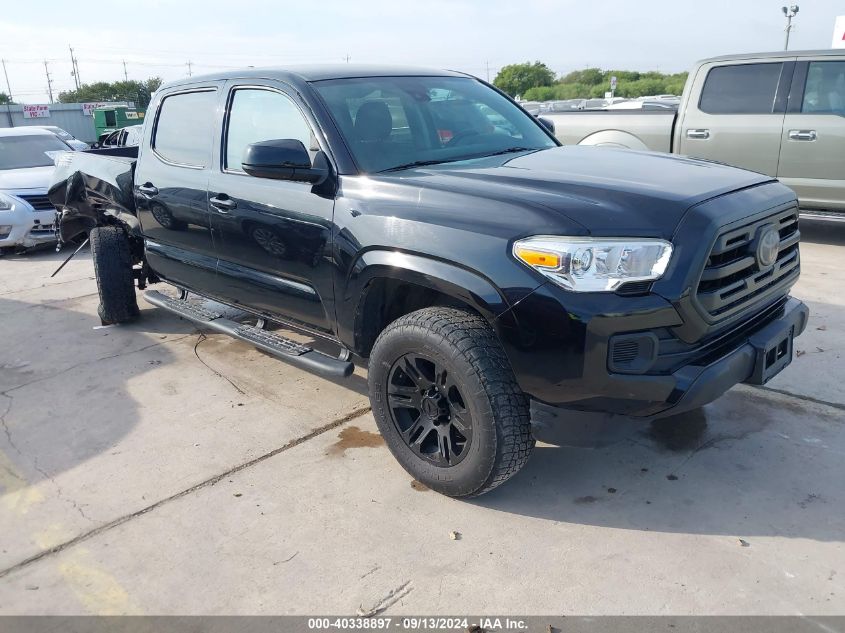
{"x":460,"y":136}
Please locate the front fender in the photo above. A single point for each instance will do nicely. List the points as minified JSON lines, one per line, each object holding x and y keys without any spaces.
{"x":466,"y":286}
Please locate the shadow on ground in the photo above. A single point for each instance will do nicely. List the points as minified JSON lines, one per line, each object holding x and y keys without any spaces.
{"x":745,"y":465}
{"x":46,"y":431}
{"x":819,"y":232}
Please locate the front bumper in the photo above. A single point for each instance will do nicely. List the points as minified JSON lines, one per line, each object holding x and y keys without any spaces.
{"x":763,"y":356}
{"x":560,"y":354}
{"x":28,"y":228}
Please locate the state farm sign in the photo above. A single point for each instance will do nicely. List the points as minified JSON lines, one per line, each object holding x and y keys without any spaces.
{"x":36,"y":111}
{"x":88,"y":108}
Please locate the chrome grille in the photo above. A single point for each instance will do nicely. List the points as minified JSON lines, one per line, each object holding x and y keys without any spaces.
{"x":38,"y":202}
{"x":733,"y":278}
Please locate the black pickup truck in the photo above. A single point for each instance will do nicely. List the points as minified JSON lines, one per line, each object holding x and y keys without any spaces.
{"x":431,"y":229}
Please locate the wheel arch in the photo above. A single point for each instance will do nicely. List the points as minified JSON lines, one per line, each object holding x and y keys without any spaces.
{"x":387,"y":285}
{"x":614,"y":138}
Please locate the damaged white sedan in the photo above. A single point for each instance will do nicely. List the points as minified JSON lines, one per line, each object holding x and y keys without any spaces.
{"x":27,"y":218}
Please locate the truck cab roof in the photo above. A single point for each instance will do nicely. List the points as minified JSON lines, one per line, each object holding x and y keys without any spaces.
{"x":827,"y":52}
{"x":318,"y":72}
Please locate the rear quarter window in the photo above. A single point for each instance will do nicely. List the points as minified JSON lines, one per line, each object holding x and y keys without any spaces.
{"x":184,"y":128}
{"x":741,"y":89}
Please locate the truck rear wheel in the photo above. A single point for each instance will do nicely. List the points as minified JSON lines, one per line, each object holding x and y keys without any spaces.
{"x":113,"y":268}
{"x":446,"y":402}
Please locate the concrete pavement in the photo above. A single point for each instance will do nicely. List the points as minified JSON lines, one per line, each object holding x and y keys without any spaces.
{"x":152,"y":469}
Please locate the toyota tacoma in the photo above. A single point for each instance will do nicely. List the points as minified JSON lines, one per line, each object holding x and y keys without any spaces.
{"x":435,"y":232}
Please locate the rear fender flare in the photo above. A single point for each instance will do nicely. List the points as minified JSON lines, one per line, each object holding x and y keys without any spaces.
{"x":614,"y":138}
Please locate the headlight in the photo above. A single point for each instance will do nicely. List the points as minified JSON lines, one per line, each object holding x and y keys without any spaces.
{"x":6,"y":202}
{"x":585,"y":264}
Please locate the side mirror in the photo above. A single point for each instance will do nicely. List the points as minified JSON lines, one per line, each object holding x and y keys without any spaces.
{"x":547,"y":123}
{"x":282,"y":159}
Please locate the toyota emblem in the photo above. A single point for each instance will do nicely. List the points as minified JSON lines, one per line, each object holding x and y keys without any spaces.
{"x":768,"y":246}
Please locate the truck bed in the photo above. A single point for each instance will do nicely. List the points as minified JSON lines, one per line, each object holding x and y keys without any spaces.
{"x":635,"y":129}
{"x":89,"y":186}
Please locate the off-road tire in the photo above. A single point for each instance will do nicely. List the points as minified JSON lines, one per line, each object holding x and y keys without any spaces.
{"x":113,"y":268}
{"x":467,"y":346}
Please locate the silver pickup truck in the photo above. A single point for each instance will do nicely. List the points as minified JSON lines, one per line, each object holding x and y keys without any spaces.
{"x":780,"y":114}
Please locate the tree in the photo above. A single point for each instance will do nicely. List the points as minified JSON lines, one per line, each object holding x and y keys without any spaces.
{"x":4,"y":99}
{"x":138,"y":91}
{"x":516,"y":79}
{"x":592,"y":83}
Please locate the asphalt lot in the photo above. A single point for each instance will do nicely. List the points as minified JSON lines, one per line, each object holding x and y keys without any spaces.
{"x":151,"y":469}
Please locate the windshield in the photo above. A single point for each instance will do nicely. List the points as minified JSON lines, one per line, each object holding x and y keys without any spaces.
{"x":19,"y":152}
{"x":62,"y":134}
{"x":391,"y":122}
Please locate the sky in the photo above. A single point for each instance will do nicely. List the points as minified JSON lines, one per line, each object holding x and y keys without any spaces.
{"x":160,"y":37}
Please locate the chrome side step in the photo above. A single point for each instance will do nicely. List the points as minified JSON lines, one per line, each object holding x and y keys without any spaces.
{"x":278,"y":346}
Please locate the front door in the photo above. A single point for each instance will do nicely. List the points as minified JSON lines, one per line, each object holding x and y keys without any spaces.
{"x":273,"y":236}
{"x":812,"y":158}
{"x":739,"y":117}
{"x":171,"y":188}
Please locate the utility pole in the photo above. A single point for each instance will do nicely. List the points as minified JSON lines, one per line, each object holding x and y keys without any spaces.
{"x":8,"y":87}
{"x":487,"y":63}
{"x":126,"y":75}
{"x":790,"y":13}
{"x":189,"y":67}
{"x":49,"y":81}
{"x":75,"y":70}
{"x":9,"y":92}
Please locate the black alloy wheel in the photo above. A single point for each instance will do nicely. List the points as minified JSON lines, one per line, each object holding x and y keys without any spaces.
{"x":428,"y":410}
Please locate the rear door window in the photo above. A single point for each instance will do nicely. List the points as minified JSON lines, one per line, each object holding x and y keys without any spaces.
{"x":184,"y":129}
{"x":742,"y":89}
{"x":825,"y":89}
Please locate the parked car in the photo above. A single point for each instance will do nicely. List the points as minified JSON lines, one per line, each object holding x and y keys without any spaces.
{"x":129,"y":136}
{"x":27,"y":217}
{"x":781,"y":114}
{"x":486,"y":275}
{"x":67,"y":137}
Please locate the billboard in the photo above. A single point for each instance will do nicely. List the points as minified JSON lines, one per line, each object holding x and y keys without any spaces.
{"x":839,"y":33}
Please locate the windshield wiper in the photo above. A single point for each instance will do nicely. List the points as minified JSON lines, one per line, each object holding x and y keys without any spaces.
{"x":512,"y":150}
{"x":424,"y":163}
{"x":419,"y":163}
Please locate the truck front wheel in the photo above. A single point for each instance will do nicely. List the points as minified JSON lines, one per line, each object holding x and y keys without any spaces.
{"x":446,"y":402}
{"x":113,"y":268}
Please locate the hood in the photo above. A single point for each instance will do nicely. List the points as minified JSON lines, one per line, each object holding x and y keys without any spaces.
{"x":605,"y":191}
{"x":27,"y":178}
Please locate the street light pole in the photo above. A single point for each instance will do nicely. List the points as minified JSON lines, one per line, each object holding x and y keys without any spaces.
{"x":790,"y":13}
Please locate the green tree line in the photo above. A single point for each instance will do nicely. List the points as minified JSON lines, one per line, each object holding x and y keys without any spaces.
{"x":138,"y":91}
{"x":537,"y":82}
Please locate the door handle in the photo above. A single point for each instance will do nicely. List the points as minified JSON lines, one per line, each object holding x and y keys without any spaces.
{"x":223,"y":203}
{"x":698,"y":134}
{"x":148,"y":189}
{"x":802,"y":135}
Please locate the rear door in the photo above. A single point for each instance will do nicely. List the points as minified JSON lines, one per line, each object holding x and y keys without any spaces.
{"x":812,"y":158}
{"x":737,"y":118}
{"x":171,"y":187}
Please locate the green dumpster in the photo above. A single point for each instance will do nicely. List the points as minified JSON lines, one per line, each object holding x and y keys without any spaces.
{"x":115,"y":117}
